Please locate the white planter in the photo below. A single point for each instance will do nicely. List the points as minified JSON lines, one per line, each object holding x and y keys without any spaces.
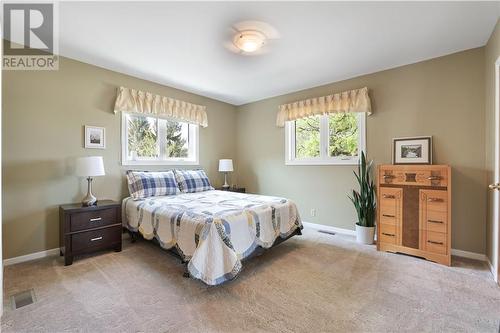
{"x":365,"y":235}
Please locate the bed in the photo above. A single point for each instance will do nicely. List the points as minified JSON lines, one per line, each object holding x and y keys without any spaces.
{"x":213,"y":231}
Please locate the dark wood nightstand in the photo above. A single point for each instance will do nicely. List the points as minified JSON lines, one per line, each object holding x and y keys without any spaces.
{"x":88,"y":229}
{"x":232,"y":189}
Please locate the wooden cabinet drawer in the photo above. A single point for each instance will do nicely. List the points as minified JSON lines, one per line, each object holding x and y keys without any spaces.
{"x":92,"y":219}
{"x":388,"y":233}
{"x":435,"y":242}
{"x":414,"y":175}
{"x":436,"y":221}
{"x":390,"y":205}
{"x":96,"y":238}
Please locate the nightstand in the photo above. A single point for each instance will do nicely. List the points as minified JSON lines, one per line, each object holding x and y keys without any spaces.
{"x":232,"y":189}
{"x":88,"y":229}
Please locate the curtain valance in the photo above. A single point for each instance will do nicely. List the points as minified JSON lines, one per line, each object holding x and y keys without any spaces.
{"x":347,"y":101}
{"x":131,"y":100}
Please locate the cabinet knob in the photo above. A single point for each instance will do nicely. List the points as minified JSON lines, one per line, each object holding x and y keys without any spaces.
{"x":389,"y":196}
{"x":386,"y":234}
{"x":433,"y":242}
{"x":435,"y":221}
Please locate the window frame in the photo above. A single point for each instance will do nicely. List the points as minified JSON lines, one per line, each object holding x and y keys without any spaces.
{"x":194,"y":143}
{"x":324,"y":158}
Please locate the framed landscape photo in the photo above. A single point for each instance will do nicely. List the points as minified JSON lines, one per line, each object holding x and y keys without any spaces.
{"x":95,"y":137}
{"x":416,"y":150}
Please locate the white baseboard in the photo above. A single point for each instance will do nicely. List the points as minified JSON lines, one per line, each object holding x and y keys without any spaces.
{"x":455,"y":252}
{"x":492,"y":270}
{"x":342,"y":231}
{"x":469,"y":255}
{"x":31,"y":256}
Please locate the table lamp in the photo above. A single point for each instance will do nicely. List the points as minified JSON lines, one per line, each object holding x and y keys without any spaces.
{"x":89,"y":167}
{"x":225,"y":166}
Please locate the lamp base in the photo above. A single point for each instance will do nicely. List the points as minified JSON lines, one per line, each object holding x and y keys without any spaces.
{"x":226,"y":185}
{"x":90,"y":199}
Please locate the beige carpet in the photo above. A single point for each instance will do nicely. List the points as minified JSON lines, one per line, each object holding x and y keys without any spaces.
{"x":313,"y":283}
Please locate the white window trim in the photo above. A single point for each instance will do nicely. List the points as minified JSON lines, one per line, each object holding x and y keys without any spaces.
{"x":324,"y":159}
{"x":194,"y":142}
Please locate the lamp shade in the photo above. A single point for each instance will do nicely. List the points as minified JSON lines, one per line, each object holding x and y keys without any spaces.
{"x":225,"y":165}
{"x":89,"y":166}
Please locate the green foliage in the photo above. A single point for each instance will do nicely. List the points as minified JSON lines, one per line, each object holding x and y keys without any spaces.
{"x":176,"y":144}
{"x":364,"y":200}
{"x":307,"y":137}
{"x":343,"y":134}
{"x":142,"y":137}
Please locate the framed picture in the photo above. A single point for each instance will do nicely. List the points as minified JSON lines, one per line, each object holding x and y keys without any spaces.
{"x":95,"y":137}
{"x":416,"y":150}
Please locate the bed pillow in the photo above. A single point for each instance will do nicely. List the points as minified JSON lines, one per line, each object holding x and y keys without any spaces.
{"x":143,"y":184}
{"x":191,"y":181}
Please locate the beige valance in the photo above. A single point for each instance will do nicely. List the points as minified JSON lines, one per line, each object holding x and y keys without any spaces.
{"x":347,"y":101}
{"x":131,"y":100}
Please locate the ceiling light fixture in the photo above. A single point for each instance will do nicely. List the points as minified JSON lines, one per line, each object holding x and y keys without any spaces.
{"x":249,"y":40}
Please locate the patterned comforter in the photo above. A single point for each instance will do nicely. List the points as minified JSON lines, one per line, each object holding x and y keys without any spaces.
{"x":213,"y":230}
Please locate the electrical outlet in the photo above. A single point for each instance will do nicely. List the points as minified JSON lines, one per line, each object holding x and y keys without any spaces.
{"x":313,"y":212}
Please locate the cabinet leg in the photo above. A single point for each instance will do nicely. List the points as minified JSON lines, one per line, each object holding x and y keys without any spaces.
{"x":118,"y":248}
{"x":68,"y":260}
{"x":61,"y":253}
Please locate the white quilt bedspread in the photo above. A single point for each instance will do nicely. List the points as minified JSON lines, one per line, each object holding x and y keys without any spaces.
{"x":213,"y":230}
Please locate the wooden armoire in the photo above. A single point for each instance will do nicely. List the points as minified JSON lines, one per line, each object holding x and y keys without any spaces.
{"x":414,"y":211}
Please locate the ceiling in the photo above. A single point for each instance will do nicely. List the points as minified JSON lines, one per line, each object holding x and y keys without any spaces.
{"x":187,"y":45}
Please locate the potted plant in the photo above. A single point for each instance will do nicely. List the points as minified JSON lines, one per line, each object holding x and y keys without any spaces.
{"x":364,"y":202}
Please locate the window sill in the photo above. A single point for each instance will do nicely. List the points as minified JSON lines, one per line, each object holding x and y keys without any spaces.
{"x":322,"y":162}
{"x":167,"y":163}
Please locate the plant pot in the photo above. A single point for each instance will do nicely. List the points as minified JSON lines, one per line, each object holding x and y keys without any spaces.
{"x":365,"y":235}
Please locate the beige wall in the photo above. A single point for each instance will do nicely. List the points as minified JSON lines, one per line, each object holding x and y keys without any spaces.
{"x":43,"y":118}
{"x":443,"y":97}
{"x":492,"y":52}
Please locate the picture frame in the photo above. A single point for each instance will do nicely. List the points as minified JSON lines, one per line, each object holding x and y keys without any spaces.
{"x":412,"y":150}
{"x":95,"y":137}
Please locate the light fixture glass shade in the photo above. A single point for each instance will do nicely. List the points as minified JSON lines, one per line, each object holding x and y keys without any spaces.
{"x":225,"y":165}
{"x":89,"y":166}
{"x":249,"y":41}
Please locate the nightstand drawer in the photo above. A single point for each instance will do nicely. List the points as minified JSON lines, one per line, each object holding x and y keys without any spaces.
{"x":92,"y":219}
{"x":96,"y":238}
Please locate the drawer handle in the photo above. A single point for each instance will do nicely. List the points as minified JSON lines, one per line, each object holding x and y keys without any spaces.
{"x":433,"y":242}
{"x":95,"y":239}
{"x":434,"y":178}
{"x":435,"y":200}
{"x":96,"y":219}
{"x":389,"y":196}
{"x":386,"y":234}
{"x":435,"y":221}
{"x":387,"y":215}
{"x":388,"y":176}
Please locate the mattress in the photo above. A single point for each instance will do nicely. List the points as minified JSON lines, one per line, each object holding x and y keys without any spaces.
{"x":213,"y":230}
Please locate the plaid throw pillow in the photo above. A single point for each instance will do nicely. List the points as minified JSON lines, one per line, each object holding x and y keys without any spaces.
{"x":193,"y":181}
{"x":143,"y":184}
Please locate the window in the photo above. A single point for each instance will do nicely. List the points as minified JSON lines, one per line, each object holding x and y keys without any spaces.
{"x":327,"y":139}
{"x":157,"y":141}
